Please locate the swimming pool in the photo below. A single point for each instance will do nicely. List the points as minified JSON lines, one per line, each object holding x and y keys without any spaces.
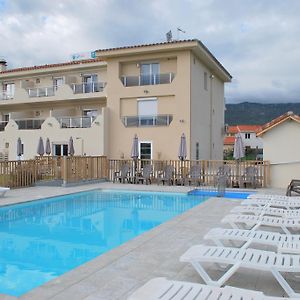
{"x":228,"y":194}
{"x":43,"y":239}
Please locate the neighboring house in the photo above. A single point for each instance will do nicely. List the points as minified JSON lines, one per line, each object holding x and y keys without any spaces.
{"x":249,"y":137}
{"x":157,"y":91}
{"x":282,"y":148}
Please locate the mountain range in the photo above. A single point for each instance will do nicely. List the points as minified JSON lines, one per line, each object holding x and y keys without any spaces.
{"x":257,"y":113}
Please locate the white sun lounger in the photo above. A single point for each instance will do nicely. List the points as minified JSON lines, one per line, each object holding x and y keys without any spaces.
{"x":243,"y":258}
{"x":3,"y":190}
{"x":272,"y":196}
{"x":254,"y":222}
{"x":288,"y":204}
{"x":162,"y":289}
{"x":266,"y":211}
{"x":284,"y":243}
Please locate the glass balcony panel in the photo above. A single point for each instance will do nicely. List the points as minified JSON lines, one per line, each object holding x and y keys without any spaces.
{"x":89,"y":87}
{"x":147,"y":79}
{"x":2,"y":125}
{"x":147,"y":121}
{"x":29,"y":123}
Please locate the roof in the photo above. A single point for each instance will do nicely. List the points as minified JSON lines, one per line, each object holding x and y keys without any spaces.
{"x":279,"y":120}
{"x":244,"y":128}
{"x":47,"y":66}
{"x":229,"y":140}
{"x":198,"y":44}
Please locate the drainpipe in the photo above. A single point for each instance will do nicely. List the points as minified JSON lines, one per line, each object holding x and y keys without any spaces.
{"x":211,"y":117}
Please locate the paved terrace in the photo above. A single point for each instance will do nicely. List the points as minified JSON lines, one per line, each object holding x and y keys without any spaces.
{"x":116,"y":274}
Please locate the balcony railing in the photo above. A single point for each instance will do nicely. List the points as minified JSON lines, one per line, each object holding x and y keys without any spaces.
{"x":141,"y":121}
{"x":6,"y":96}
{"x":41,"y":92}
{"x":30,"y":123}
{"x":151,"y":79}
{"x":2,"y":125}
{"x":92,"y":87}
{"x":76,"y":122}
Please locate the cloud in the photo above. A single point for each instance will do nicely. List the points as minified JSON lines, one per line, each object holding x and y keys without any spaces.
{"x":255,"y":40}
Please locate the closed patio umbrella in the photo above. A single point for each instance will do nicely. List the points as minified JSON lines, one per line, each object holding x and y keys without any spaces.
{"x":40,"y":149}
{"x":238,"y":154}
{"x":19,"y":148}
{"x":48,"y":147}
{"x":135,"y":148}
{"x":135,"y":151}
{"x":71,"y":147}
{"x":182,"y":153}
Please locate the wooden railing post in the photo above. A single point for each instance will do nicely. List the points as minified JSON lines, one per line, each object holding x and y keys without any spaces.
{"x":65,"y":170}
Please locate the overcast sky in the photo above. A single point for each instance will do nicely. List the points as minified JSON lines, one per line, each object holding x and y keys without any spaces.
{"x":257,"y":41}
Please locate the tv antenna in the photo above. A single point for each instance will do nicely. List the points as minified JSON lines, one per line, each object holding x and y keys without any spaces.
{"x":179,"y":30}
{"x":169,"y":36}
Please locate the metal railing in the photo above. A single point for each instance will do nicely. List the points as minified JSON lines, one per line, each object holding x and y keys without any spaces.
{"x":30,"y":123}
{"x":92,"y":87}
{"x":41,"y":92}
{"x":6,"y":96}
{"x":2,"y":125}
{"x":150,"y":79}
{"x":76,"y":122}
{"x":140,"y":121}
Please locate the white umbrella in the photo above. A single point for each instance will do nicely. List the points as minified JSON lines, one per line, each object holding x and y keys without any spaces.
{"x":71,"y":147}
{"x":239,"y":149}
{"x":238,"y":153}
{"x":19,"y":148}
{"x":182,"y":153}
{"x":135,"y":148}
{"x":48,"y":147}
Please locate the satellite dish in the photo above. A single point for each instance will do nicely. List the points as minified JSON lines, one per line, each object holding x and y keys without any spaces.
{"x":169,"y":36}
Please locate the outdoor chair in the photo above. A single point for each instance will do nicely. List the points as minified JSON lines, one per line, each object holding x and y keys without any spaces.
{"x":250,"y":177}
{"x":194,"y":176}
{"x":166,"y":175}
{"x":161,"y":288}
{"x":145,"y":175}
{"x":294,"y":186}
{"x":122,"y":174}
{"x":3,"y":190}
{"x":290,"y":203}
{"x":224,"y":170}
{"x":251,"y":259}
{"x":282,"y":242}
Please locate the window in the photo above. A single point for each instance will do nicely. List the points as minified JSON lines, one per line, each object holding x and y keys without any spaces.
{"x":147,"y":109}
{"x":149,"y":73}
{"x":145,"y":150}
{"x":9,"y":90}
{"x":197,"y":151}
{"x":5,"y":117}
{"x":205,"y":81}
{"x":60,"y":149}
{"x":58,"y":81}
{"x":90,"y":83}
{"x":247,"y":136}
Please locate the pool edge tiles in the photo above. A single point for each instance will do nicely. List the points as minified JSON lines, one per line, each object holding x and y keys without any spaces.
{"x":35,"y":211}
{"x":228,"y":193}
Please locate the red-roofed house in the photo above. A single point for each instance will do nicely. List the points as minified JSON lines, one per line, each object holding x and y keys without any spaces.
{"x":282,"y":148}
{"x":248,"y":134}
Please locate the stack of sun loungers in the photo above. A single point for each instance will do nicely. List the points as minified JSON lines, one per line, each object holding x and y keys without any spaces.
{"x":261,"y":220}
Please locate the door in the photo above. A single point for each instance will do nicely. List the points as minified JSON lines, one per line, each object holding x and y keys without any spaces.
{"x":149,"y":73}
{"x":90,"y":83}
{"x":145,"y":150}
{"x":147,"y":111}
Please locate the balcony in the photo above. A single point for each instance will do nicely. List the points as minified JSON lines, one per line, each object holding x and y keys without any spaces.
{"x":2,"y":125}
{"x":147,"y":121}
{"x":76,"y":122}
{"x":41,"y":92}
{"x":92,"y":87}
{"x":6,"y":96}
{"x":151,"y":79}
{"x":30,"y":123}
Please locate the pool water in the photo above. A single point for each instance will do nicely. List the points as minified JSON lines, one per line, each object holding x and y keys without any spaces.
{"x":43,"y":239}
{"x":228,"y":194}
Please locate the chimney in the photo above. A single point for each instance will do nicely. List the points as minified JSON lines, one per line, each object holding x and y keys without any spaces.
{"x":3,"y":64}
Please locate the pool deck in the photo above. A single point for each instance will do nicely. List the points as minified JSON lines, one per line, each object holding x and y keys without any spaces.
{"x":116,"y":274}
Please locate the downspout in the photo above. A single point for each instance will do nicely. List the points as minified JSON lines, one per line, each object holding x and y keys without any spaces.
{"x":211,"y":117}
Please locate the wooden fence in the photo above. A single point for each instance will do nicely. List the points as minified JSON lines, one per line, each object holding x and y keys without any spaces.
{"x":209,"y":169}
{"x":24,"y":173}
